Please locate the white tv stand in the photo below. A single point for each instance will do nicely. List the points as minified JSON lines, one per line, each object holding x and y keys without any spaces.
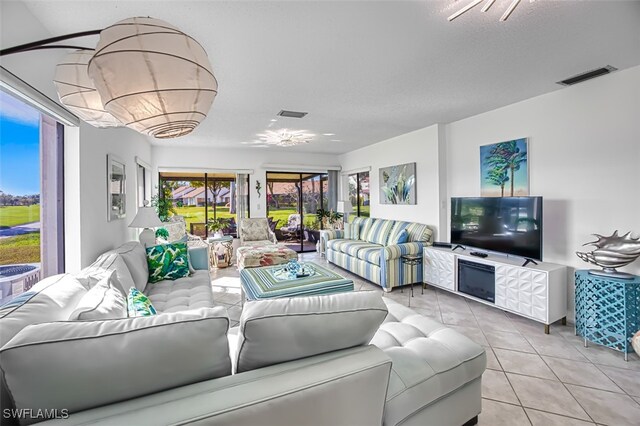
{"x":537,"y":292}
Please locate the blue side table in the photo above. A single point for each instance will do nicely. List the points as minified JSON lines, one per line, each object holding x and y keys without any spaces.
{"x":607,"y":310}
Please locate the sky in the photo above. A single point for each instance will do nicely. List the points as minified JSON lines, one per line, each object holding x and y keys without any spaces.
{"x":19,"y":147}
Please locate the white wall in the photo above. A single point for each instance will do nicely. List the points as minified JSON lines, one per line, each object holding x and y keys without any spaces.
{"x":236,"y":159}
{"x":584,"y":157}
{"x":97,"y":234}
{"x":421,"y":147}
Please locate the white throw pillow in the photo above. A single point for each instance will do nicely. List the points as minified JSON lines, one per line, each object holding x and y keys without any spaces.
{"x":280,"y":330}
{"x":107,"y":262}
{"x":52,"y":299}
{"x":103,"y":301}
{"x":79,"y":365}
{"x":135,"y":257}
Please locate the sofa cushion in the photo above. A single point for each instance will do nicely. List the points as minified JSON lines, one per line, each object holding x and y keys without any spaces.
{"x":361,"y":226}
{"x":254,"y":229}
{"x":191,"y":292}
{"x":103,"y":301}
{"x":167,"y":262}
{"x":176,"y":228}
{"x":400,"y":238}
{"x":350,"y":247}
{"x":379,"y":231}
{"x":370,"y":254}
{"x":135,"y":257}
{"x":139,"y":305}
{"x":354,"y":247}
{"x":419,"y":233}
{"x":52,"y":299}
{"x":103,"y":266}
{"x":78,"y":365}
{"x":280,"y":330}
{"x":429,"y":360}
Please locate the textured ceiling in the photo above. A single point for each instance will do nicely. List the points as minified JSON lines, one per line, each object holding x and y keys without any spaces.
{"x":371,"y":70}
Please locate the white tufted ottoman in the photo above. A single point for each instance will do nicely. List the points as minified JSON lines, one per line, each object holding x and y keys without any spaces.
{"x":436,"y":372}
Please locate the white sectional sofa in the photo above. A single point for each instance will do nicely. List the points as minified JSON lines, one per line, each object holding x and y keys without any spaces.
{"x":344,"y":359}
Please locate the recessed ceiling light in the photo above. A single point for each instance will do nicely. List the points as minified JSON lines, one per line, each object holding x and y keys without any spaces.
{"x":335,"y":140}
{"x":274,"y":119}
{"x":328,"y":134}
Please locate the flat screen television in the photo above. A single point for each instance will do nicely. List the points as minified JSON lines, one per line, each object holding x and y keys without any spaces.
{"x":511,"y":225}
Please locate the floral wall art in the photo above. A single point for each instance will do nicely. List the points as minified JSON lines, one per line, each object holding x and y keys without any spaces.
{"x":504,"y":169}
{"x":398,"y":184}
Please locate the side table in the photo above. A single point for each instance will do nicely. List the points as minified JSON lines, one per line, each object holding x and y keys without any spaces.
{"x":226,"y":242}
{"x":411,"y":260}
{"x":607,"y":310}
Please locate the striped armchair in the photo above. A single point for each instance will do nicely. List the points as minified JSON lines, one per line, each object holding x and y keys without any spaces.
{"x":372,"y":248}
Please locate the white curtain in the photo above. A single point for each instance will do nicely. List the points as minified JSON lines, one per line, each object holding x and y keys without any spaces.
{"x":242,"y":196}
{"x":332,"y":192}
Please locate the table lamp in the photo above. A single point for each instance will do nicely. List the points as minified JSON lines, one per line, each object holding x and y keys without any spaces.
{"x":146,"y":218}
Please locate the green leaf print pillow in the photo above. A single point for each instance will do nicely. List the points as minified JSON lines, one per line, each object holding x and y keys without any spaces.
{"x":138,"y":304}
{"x":167,"y":262}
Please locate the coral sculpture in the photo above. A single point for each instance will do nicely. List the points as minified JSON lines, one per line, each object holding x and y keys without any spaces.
{"x":612,"y":252}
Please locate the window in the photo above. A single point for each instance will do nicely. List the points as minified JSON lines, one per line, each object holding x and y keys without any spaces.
{"x":143,"y":182}
{"x":205,"y":197}
{"x":31,"y":196}
{"x":359,"y":193}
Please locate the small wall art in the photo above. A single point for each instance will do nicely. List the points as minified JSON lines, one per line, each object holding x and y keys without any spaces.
{"x":398,"y":184}
{"x":116,"y":189}
{"x":504,"y":169}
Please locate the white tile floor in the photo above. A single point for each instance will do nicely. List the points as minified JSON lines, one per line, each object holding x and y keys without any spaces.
{"x":531,"y":378}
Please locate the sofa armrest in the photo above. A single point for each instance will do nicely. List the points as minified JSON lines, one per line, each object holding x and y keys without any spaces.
{"x":199,"y":257}
{"x":283,"y":394}
{"x":272,"y":236}
{"x":333,"y":234}
{"x":395,"y":251}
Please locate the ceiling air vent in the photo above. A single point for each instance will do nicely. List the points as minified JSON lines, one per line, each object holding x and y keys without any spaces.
{"x":291,"y":114}
{"x":587,"y":75}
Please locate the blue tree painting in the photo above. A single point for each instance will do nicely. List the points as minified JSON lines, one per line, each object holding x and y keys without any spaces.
{"x":504,"y":169}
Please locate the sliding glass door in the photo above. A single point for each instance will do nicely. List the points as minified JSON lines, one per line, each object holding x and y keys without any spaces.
{"x":292,"y":202}
{"x":204,"y":198}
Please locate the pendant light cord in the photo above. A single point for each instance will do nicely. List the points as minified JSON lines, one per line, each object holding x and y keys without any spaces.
{"x":46,"y":43}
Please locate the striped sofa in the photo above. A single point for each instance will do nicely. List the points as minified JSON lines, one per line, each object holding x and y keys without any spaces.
{"x":366,"y":247}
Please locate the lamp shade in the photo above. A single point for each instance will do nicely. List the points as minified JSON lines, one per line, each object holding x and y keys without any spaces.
{"x":344,"y":206}
{"x":153,"y":77}
{"x":77,"y":92}
{"x":146,"y":218}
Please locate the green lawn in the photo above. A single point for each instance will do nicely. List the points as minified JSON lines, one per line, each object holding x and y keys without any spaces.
{"x":19,"y":215}
{"x":20,"y":249}
{"x":196,"y":214}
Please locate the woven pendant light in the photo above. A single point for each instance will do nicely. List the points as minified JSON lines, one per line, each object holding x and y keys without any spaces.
{"x":77,"y":92}
{"x":152,"y":77}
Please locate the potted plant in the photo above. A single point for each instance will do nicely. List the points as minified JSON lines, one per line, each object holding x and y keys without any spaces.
{"x":329,"y":219}
{"x":217,"y":225}
{"x":163,"y":204}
